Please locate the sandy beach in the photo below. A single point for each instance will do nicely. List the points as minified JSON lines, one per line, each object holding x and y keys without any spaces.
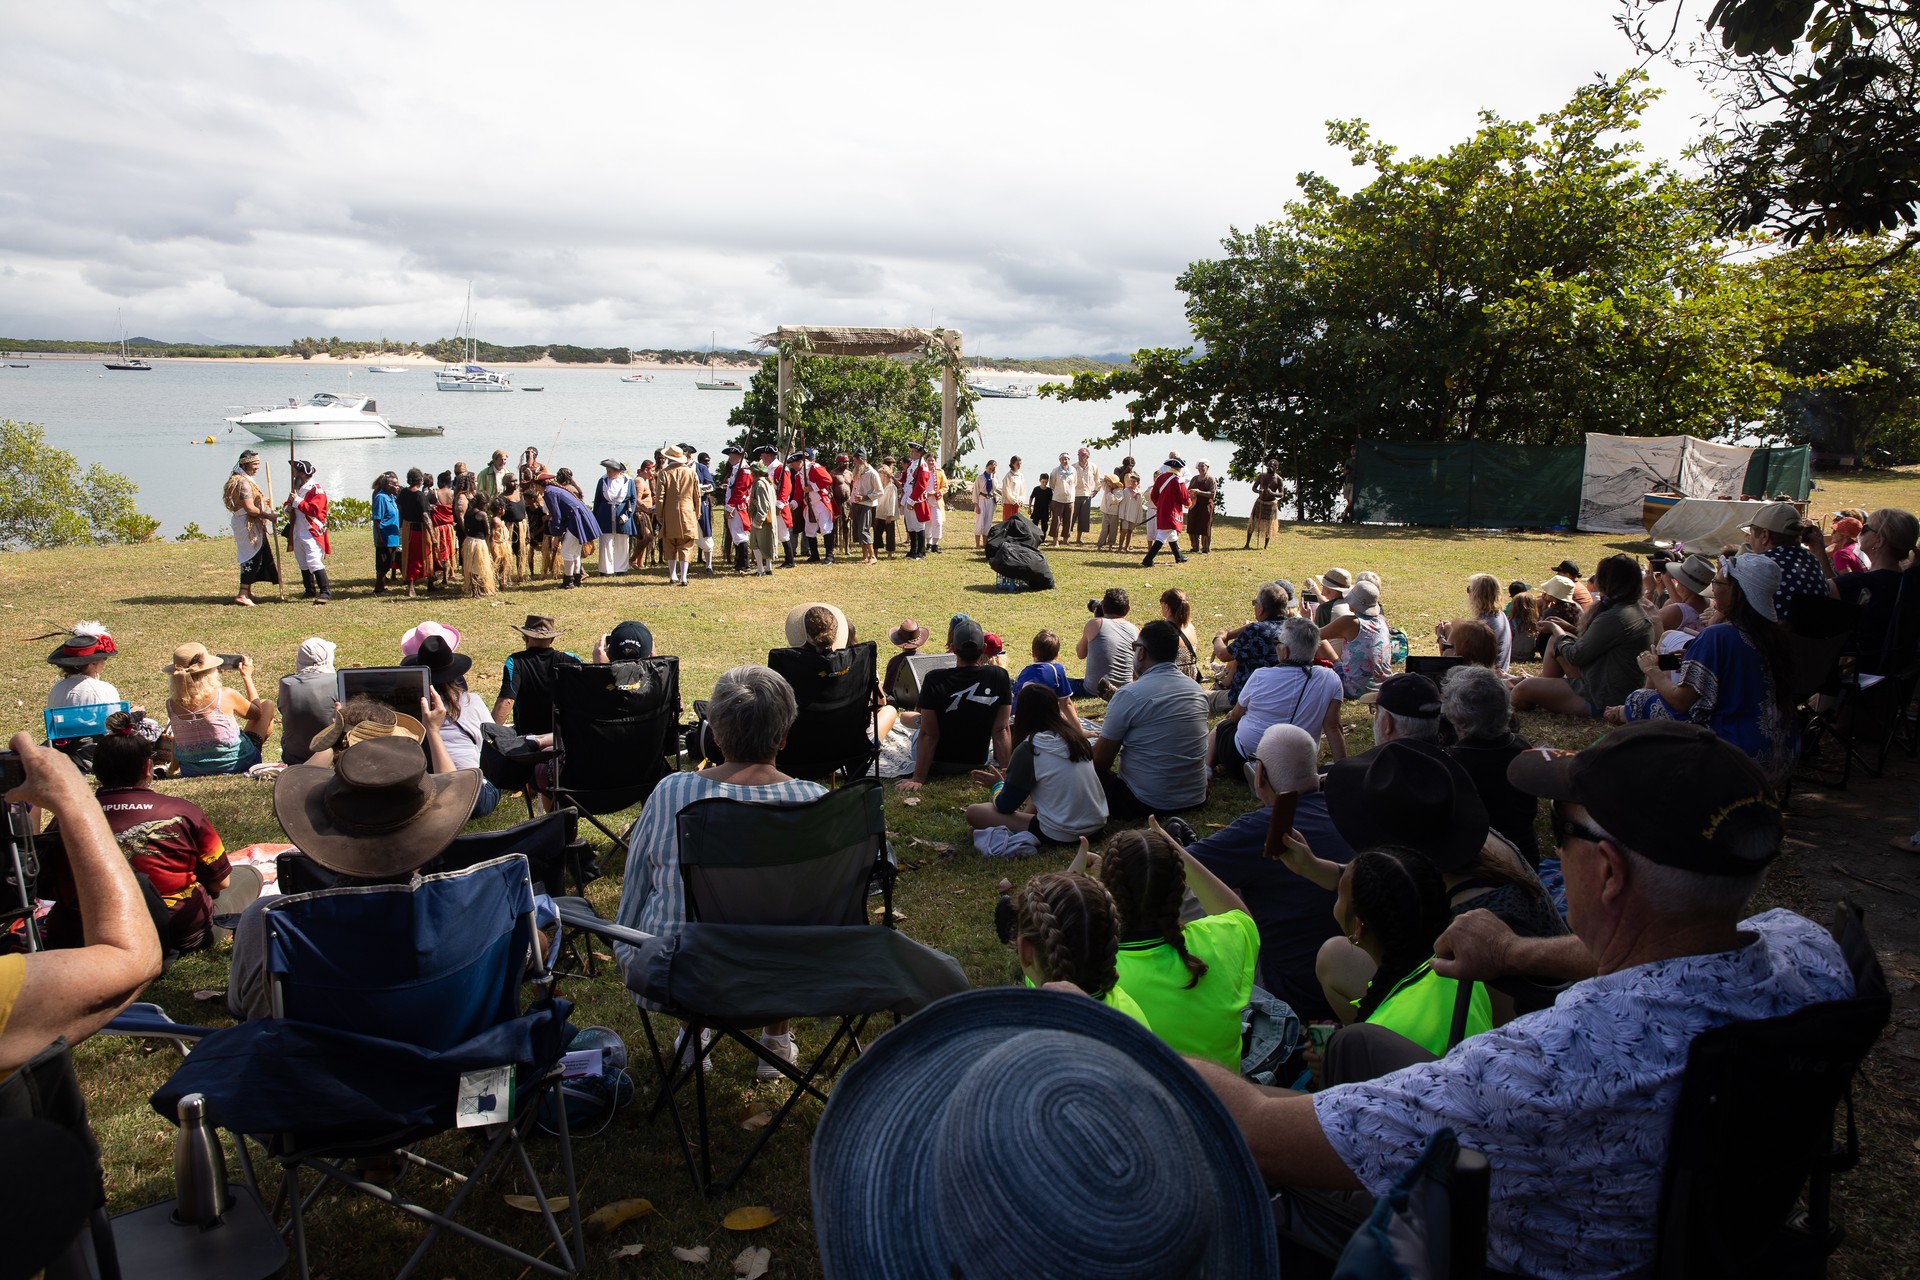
{"x":358,"y":363}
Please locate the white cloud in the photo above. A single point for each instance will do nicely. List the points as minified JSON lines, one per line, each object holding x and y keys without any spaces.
{"x":613,"y":174}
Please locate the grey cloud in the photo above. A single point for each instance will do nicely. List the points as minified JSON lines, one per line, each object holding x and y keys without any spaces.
{"x":1066,"y":279}
{"x":839,"y":277}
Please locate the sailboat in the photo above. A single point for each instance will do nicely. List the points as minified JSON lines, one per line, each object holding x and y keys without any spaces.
{"x":635,"y":377}
{"x":128,"y":362}
{"x":470,"y":376}
{"x":712,"y":383}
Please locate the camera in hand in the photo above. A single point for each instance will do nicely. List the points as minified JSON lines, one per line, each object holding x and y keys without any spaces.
{"x":1093,"y":607}
{"x":1671,"y":661}
{"x":12,"y":772}
{"x":230,"y":661}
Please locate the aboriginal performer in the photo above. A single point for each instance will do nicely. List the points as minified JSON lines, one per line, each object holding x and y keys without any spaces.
{"x":307,"y":532}
{"x":1267,"y":487}
{"x":736,"y":482}
{"x":916,"y":491}
{"x":252,"y":526}
{"x":386,"y":529}
{"x":571,"y":521}
{"x":613,"y":511}
{"x":441,"y":520}
{"x":677,"y":499}
{"x":416,"y":540}
{"x":1170,"y":497}
{"x":817,"y":497}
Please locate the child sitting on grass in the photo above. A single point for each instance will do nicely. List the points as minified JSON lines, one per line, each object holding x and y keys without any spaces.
{"x":1066,"y":929}
{"x":1192,"y":981}
{"x":1043,"y":670}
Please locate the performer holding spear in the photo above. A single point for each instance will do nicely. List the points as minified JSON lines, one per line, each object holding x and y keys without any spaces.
{"x":252,"y":526}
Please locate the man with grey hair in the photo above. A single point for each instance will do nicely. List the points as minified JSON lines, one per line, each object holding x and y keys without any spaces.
{"x":1475,"y":705}
{"x":1294,"y":691}
{"x":1656,"y":895}
{"x":1256,"y":644}
{"x":1405,"y":706}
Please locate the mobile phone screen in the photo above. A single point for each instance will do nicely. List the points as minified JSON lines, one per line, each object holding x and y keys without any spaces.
{"x":402,"y":688}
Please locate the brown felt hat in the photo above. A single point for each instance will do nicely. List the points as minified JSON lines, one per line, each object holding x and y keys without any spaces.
{"x":377,"y":812}
{"x":538,"y":626}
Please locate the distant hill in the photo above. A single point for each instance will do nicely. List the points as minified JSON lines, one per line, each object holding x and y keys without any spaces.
{"x":1059,"y":365}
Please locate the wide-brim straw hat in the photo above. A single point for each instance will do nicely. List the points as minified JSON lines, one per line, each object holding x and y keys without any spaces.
{"x":1337,"y":578}
{"x":377,"y":812}
{"x":191,"y":660}
{"x":1127,"y":1164}
{"x":402,"y":726}
{"x":797,"y":624}
{"x":673,"y":453}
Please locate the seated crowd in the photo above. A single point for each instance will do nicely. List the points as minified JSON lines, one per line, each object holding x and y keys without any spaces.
{"x":1360,"y":894}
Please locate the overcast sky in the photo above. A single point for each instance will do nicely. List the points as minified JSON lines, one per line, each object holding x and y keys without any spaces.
{"x":1035,"y":175}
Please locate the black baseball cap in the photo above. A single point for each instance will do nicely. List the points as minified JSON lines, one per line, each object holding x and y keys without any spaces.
{"x":630,"y":642}
{"x":1674,"y":793}
{"x":1408,"y":694}
{"x":967,"y":638}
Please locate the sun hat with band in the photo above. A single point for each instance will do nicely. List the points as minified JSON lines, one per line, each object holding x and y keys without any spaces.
{"x":1411,"y":794}
{"x":1008,"y":1132}
{"x":191,"y":659}
{"x":376,"y":811}
{"x":1337,"y":579}
{"x":538,"y":626}
{"x":797,"y":624}
{"x":908,"y":635}
{"x":1364,"y":599}
{"x":1696,"y":572}
{"x":1715,"y":814}
{"x":89,"y":643}
{"x":363,"y":720}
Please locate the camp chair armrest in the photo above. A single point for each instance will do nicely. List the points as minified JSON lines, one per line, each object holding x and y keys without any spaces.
{"x":576,"y":914}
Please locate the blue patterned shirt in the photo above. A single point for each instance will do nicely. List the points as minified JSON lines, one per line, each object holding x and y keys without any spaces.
{"x":1573,"y":1105}
{"x":1257,"y":646}
{"x":653,"y":897}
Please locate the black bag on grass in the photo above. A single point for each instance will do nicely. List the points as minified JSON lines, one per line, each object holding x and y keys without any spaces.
{"x":1013,"y":551}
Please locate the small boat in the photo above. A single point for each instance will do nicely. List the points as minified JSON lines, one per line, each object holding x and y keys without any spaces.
{"x":19,"y":366}
{"x":399,"y":430}
{"x":711,"y":383}
{"x":1008,"y":392}
{"x":638,"y":377}
{"x":386,"y":368}
{"x":324,"y":416}
{"x":128,"y":362}
{"x":533,"y":388}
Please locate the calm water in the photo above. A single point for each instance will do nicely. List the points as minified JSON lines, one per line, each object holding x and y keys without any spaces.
{"x":149,"y":426}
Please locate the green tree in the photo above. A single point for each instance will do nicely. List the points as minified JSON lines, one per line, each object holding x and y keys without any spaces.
{"x":1533,"y":283}
{"x":1819,"y":131}
{"x":843,"y":403}
{"x":48,"y":500}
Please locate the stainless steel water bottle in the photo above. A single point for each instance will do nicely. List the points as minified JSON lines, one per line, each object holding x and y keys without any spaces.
{"x":199,"y":1168}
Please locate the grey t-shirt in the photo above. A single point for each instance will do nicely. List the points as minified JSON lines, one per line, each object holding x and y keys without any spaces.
{"x":1110,"y":652}
{"x":1160,"y":722}
{"x":306,"y":707}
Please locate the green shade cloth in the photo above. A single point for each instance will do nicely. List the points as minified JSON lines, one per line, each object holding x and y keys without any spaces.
{"x":1468,"y":485}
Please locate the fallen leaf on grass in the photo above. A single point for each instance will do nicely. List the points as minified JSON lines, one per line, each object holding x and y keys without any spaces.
{"x":531,"y":1204}
{"x":910,"y":801}
{"x":751,"y":1218}
{"x":758,"y":1120}
{"x":604,"y":1220}
{"x":601,"y":955}
{"x":629,"y":1251}
{"x":752,"y":1263}
{"x":209,"y":993}
{"x":699,"y":1253}
{"x":898,"y":916}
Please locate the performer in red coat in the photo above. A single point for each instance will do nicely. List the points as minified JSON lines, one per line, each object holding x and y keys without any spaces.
{"x":818,"y":507}
{"x":739,"y":485}
{"x":917,"y":492}
{"x":782,"y":484}
{"x":1170,"y":498}
{"x":307,"y":531}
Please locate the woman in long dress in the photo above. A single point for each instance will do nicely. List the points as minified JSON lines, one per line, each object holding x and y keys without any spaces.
{"x":252,"y":527}
{"x":307,"y":539}
{"x":983,"y":487}
{"x":1200,"y":515}
{"x":441,"y":518}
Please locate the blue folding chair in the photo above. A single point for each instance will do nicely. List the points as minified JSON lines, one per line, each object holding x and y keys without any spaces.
{"x":386,"y":998}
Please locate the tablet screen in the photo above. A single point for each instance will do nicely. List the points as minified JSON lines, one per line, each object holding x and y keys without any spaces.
{"x":402,"y":688}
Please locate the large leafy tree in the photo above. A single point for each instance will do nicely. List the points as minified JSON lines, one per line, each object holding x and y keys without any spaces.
{"x":840,"y":403}
{"x":48,"y":500}
{"x":1818,"y":133}
{"x":1532,"y":283}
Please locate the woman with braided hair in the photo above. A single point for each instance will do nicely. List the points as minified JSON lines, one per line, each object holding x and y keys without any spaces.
{"x":1193,"y":980}
{"x":1066,"y":930}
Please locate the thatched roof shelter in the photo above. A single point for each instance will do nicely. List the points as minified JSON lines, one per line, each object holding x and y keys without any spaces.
{"x":855,"y":340}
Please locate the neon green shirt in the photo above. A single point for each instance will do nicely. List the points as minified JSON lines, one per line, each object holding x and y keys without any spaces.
{"x":1420,"y":1007}
{"x":1118,"y":1000}
{"x":1202,"y":1021}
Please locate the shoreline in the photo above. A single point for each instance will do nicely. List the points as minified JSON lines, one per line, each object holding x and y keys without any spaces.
{"x":360,"y":365}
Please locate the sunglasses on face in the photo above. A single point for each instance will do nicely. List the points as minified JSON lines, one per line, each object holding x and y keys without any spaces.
{"x":1566,"y":829}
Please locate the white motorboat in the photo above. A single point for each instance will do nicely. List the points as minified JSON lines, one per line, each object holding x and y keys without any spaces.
{"x":325,"y":416}
{"x":638,"y":377}
{"x":472,"y":377}
{"x":1010,"y":391}
{"x":386,"y":368}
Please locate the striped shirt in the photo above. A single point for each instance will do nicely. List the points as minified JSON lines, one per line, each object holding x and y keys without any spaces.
{"x":653,"y":897}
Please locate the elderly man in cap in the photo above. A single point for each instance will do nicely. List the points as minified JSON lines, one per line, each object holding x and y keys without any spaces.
{"x":613,"y":511}
{"x":1777,"y":533}
{"x":569,"y":520}
{"x":1405,"y":706}
{"x":1170,"y":498}
{"x":526,"y":682}
{"x":252,"y":526}
{"x":375,"y":816}
{"x":1065,"y":492}
{"x":1573,"y":1105}
{"x":678,"y":496}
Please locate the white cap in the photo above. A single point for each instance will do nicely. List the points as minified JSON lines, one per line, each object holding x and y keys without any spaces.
{"x":315,"y":654}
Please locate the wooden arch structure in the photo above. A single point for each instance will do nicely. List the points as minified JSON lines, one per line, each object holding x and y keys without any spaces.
{"x":836,"y":340}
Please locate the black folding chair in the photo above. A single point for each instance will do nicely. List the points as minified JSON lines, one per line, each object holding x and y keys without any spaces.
{"x":1753,"y":1132}
{"x":1432,"y":1225}
{"x":778,"y":896}
{"x":615,"y":735}
{"x":245,"y":1243}
{"x":839,"y":727}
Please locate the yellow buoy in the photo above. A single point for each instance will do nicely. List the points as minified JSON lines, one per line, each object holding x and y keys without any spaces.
{"x":208,"y":440}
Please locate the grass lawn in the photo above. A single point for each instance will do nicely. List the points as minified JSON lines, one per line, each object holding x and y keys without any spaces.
{"x":155,"y":597}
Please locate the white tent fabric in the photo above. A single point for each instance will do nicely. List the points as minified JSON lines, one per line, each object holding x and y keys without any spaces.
{"x":1620,"y":470}
{"x":1705,"y":524}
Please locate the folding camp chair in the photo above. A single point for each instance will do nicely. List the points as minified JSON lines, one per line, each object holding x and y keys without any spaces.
{"x":244,"y":1244}
{"x":1431,"y":1226}
{"x":397,"y":1017}
{"x":615,"y":735}
{"x":778,"y":897}
{"x":1753,"y":1132}
{"x":75,"y":731}
{"x":547,"y":842}
{"x":838,"y":727}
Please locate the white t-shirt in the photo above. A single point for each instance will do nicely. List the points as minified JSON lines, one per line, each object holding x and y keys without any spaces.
{"x":1284,"y":694}
{"x":461,"y":732}
{"x":81,"y":691}
{"x":1067,"y":797}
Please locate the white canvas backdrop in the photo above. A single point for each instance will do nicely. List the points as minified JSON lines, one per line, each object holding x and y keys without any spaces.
{"x":1620,"y":470}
